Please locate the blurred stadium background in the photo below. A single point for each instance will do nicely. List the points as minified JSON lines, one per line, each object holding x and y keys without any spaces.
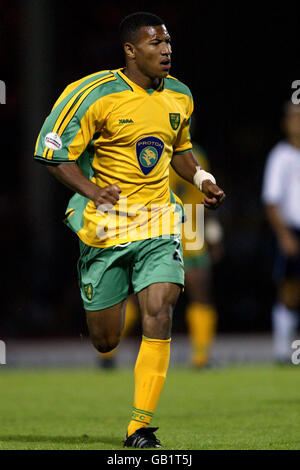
{"x":239,"y":63}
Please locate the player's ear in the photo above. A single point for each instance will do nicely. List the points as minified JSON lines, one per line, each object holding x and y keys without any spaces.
{"x":129,"y":50}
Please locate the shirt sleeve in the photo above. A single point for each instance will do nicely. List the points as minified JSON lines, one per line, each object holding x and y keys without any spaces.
{"x":183,"y":141}
{"x":272,"y":190}
{"x":68,"y":129}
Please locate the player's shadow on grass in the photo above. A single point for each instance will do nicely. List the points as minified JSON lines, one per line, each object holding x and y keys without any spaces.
{"x":61,"y":439}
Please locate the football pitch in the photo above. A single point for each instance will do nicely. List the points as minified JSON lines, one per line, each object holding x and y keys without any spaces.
{"x":237,"y":407}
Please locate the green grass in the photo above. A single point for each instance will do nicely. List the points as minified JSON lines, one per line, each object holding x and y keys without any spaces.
{"x":242,"y":407}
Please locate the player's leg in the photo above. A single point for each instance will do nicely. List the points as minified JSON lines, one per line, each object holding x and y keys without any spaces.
{"x":157,"y":302}
{"x":289,"y":293}
{"x":132,"y":314}
{"x":131,"y":317}
{"x":105,"y":326}
{"x":284,"y":313}
{"x":158,"y":277}
{"x":104,"y":286}
{"x":198,"y":284}
{"x":201,"y":316}
{"x":285,"y":319}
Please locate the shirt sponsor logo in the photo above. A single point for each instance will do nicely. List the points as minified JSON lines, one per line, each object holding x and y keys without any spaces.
{"x":149,"y":151}
{"x":53,"y":141}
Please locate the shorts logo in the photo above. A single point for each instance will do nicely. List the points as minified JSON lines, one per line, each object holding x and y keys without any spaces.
{"x":149,"y":150}
{"x":53,"y":141}
{"x":88,"y":290}
{"x":174,"y":120}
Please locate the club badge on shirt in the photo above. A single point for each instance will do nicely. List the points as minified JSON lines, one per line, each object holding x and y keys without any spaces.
{"x":174,"y":120}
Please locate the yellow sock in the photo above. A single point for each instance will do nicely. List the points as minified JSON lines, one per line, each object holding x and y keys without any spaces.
{"x":149,"y":378}
{"x":132,"y":314}
{"x":201,"y":321}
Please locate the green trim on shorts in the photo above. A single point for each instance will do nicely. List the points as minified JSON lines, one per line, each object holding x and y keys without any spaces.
{"x":109,"y":275}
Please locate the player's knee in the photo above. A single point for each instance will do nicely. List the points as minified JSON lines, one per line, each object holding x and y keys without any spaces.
{"x":106,"y":344}
{"x":161,"y":311}
{"x":289,"y":295}
{"x":157,"y":322}
{"x":290,"y":303}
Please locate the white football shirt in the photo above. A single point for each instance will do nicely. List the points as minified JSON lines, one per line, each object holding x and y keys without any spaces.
{"x":281,"y":182}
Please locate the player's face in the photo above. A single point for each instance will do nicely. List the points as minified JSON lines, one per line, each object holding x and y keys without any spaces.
{"x":153,"y":51}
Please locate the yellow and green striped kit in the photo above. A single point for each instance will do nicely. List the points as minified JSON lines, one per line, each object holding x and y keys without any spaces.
{"x":121,"y":134}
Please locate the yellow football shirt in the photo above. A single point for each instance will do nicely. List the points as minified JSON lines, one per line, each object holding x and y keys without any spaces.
{"x":121,"y":134}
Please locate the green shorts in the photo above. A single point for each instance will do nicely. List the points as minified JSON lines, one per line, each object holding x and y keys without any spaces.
{"x":108,"y":275}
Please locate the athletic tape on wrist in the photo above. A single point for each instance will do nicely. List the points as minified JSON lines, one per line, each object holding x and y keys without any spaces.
{"x":200,"y":176}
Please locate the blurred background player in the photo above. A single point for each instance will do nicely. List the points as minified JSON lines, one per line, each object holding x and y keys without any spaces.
{"x":281,"y":196}
{"x":200,"y":311}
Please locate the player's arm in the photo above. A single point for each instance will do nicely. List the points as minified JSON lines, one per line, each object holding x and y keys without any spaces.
{"x":286,"y":239}
{"x":187,"y":166}
{"x":71,"y":176}
{"x":65,"y":135}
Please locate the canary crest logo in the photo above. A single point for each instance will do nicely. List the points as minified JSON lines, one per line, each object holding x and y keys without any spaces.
{"x":88,"y":290}
{"x":174,"y":120}
{"x":149,"y":151}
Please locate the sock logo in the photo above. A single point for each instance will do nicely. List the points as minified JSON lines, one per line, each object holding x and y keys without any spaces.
{"x":149,"y":151}
{"x":142,"y":416}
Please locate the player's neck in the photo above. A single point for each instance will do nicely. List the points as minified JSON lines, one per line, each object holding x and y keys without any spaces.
{"x":140,"y":79}
{"x":295,"y":141}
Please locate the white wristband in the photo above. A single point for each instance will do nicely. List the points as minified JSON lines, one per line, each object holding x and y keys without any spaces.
{"x":200,"y":176}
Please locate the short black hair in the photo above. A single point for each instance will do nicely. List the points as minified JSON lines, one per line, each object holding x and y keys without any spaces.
{"x":132,"y":23}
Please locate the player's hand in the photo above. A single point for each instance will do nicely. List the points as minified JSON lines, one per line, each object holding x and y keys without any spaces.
{"x":214,"y":196}
{"x":107,"y":197}
{"x":289,"y":243}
